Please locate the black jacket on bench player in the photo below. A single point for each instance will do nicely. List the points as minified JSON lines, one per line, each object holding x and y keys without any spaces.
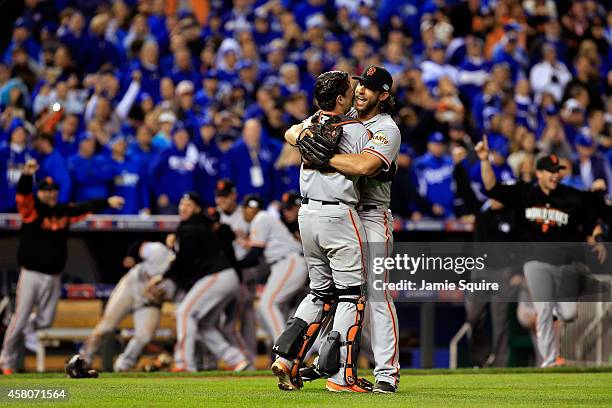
{"x":201,"y":251}
{"x":44,"y":231}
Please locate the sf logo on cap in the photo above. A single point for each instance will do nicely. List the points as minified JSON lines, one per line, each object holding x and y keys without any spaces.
{"x":371,"y":71}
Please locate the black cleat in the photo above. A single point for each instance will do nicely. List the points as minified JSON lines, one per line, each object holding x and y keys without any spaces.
{"x":310,"y":373}
{"x":383,"y":387}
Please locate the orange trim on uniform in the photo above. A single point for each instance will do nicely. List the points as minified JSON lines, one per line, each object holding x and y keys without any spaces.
{"x":377,"y":154}
{"x":363,"y":267}
{"x":26,"y":207}
{"x":275,"y":294}
{"x":387,"y":298}
{"x":188,"y":310}
{"x":78,"y":218}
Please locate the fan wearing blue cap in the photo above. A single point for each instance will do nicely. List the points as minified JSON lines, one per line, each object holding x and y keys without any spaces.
{"x":434,"y":172}
{"x":12,"y":158}
{"x":510,"y":52}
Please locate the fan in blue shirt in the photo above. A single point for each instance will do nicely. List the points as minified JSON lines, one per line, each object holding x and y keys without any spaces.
{"x":90,"y":173}
{"x":128,"y":180}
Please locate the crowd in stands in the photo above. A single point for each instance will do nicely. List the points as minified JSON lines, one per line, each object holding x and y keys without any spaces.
{"x":148,"y":99}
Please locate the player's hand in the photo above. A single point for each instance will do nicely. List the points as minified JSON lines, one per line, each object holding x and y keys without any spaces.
{"x":154,"y":290}
{"x":116,"y":202}
{"x":600,"y":251}
{"x":482,"y":149}
{"x":170,"y":240}
{"x":30,"y":167}
{"x":599,"y":185}
{"x":516,"y":280}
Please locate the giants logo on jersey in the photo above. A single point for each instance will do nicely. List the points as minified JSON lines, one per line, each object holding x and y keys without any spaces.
{"x":546,"y":217}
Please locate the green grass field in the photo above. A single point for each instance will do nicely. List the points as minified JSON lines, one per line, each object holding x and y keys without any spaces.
{"x":431,"y":388}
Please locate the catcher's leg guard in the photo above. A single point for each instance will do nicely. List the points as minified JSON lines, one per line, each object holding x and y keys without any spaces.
{"x":329,"y":355}
{"x":353,"y":337}
{"x":288,"y":343}
{"x":295,"y":348}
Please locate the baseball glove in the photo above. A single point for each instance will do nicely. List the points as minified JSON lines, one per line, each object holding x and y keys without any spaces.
{"x":319,"y":142}
{"x":76,"y":367}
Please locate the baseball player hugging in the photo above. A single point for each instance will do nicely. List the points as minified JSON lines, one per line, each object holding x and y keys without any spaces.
{"x":334,"y":247}
{"x":130,"y":296}
{"x":376,"y":162}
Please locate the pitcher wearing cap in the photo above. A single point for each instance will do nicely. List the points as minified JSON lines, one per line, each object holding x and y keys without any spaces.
{"x":548,"y":212}
{"x":42,"y":255}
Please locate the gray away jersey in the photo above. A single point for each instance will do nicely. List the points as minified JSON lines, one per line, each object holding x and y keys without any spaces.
{"x":336,"y":186}
{"x":240,"y":227}
{"x":269,"y":232}
{"x":384,"y":144}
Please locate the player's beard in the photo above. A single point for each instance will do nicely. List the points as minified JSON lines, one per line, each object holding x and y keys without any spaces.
{"x":371,"y":106}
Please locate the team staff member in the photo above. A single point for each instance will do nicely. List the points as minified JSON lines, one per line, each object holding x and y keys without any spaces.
{"x":270,"y":238}
{"x":204,"y":270}
{"x":547,"y":212}
{"x":43,"y":251}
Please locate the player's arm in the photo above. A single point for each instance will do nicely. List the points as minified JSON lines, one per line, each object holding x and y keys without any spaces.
{"x":292,"y":134}
{"x":258,"y":239}
{"x":24,"y":196}
{"x":508,"y":195}
{"x":356,"y":164}
{"x":486,"y":170}
{"x":78,"y":211}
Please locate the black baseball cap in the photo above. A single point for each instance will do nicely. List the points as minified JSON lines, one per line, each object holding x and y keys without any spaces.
{"x":252,"y":201}
{"x":225,"y":187}
{"x":291,"y":199}
{"x":549,"y":163}
{"x":376,"y":78}
{"x":48,"y":184}
{"x":193,"y":196}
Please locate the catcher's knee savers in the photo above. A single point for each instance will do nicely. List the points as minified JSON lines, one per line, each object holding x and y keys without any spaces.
{"x":329,"y":357}
{"x":297,"y":338}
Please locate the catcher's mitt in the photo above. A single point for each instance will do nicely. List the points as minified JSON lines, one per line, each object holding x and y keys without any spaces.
{"x":77,"y":367}
{"x":319,"y":141}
